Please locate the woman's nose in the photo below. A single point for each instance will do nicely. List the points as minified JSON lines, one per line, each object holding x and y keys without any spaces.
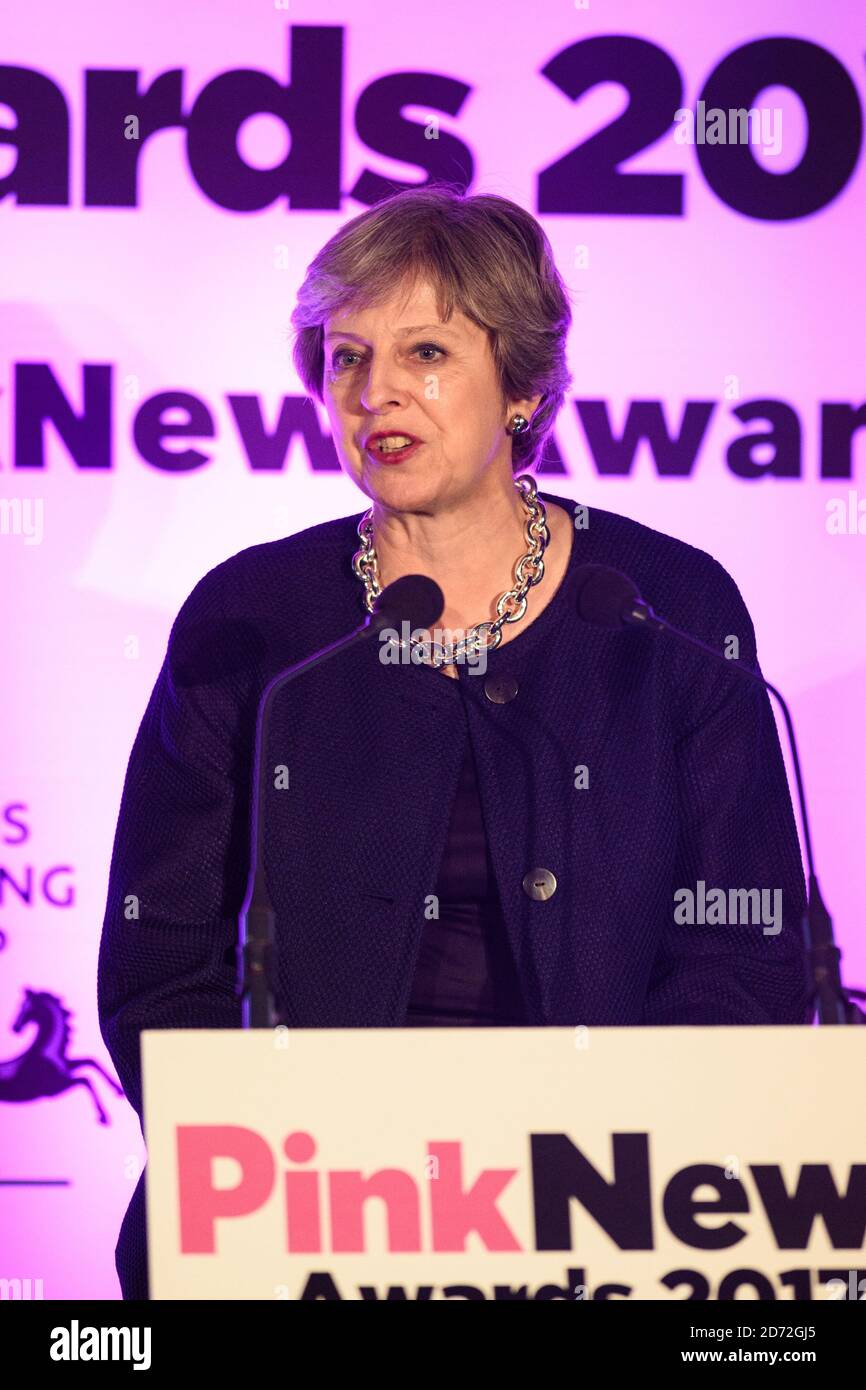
{"x":383,"y":385}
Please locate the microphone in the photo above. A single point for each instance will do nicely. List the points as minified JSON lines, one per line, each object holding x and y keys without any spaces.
{"x":414,"y":598}
{"x":608,"y":598}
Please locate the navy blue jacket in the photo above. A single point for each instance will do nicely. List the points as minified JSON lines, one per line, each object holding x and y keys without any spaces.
{"x":686,"y":784}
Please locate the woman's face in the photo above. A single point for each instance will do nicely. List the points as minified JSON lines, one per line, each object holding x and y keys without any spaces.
{"x":397,"y":368}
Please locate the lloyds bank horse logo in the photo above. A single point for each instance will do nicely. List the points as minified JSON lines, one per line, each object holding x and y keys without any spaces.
{"x":44,"y":1069}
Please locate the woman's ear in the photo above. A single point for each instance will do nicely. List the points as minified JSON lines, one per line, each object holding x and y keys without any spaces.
{"x":526,"y":407}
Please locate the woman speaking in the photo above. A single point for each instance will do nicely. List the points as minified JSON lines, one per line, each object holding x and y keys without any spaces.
{"x":496,"y":822}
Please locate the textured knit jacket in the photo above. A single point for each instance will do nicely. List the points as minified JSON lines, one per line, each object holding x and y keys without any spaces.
{"x":684,"y":783}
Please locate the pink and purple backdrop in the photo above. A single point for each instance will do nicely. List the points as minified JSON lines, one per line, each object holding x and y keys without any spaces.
{"x":729,"y":290}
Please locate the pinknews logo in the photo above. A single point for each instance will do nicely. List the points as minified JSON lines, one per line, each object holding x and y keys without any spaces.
{"x":459,"y":1205}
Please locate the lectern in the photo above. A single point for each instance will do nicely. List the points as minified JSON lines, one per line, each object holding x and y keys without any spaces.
{"x":506,"y":1163}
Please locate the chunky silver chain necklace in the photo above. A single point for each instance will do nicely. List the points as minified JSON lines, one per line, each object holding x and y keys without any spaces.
{"x":510,"y":606}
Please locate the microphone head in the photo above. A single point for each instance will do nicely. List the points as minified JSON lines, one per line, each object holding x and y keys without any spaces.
{"x":603,"y":595}
{"x":413,"y":598}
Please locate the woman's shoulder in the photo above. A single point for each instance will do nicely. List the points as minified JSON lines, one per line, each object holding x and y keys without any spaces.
{"x":301,"y":554}
{"x":266,"y":572}
{"x":684,"y":584}
{"x":269,"y":603}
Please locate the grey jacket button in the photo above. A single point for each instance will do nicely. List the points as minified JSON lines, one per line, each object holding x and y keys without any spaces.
{"x":500,"y":689}
{"x":539,"y":884}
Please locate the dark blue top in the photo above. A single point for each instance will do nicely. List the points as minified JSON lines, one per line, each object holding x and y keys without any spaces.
{"x":465,"y":973}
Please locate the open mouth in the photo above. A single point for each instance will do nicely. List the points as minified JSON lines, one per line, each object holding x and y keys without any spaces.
{"x":393,"y":449}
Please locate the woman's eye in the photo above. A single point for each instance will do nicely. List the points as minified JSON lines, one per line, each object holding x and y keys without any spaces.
{"x":339,"y":358}
{"x":341,"y":353}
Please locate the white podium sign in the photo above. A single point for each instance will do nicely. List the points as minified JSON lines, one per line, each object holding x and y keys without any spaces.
{"x":506,"y":1163}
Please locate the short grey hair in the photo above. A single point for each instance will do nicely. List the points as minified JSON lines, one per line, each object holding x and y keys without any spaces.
{"x":482,"y":253}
